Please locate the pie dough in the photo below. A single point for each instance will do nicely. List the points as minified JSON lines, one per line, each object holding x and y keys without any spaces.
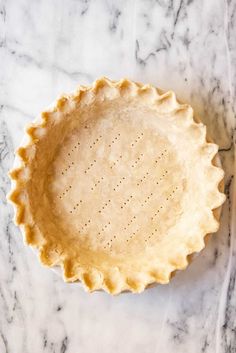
{"x":116,"y":185}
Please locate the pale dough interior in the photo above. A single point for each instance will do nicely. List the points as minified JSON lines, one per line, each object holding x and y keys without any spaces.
{"x":112,"y":183}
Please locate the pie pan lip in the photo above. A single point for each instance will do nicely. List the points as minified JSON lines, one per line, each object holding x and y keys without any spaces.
{"x":215,"y":161}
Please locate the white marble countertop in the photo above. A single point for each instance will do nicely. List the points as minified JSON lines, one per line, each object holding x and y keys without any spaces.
{"x":49,"y":47}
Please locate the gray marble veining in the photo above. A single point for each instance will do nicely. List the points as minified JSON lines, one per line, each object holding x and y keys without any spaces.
{"x":49,"y":47}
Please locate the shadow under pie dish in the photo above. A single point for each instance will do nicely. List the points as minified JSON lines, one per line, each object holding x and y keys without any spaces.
{"x":117,"y":185}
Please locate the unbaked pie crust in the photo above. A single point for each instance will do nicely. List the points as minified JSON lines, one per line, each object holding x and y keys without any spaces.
{"x":116,"y":185}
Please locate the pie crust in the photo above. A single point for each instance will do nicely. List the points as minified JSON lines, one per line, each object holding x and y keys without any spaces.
{"x":117,"y":185}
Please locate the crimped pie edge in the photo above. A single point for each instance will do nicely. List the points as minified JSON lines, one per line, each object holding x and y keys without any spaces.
{"x":91,"y":278}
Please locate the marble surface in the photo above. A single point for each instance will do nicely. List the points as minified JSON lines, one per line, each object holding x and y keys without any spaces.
{"x":49,"y":47}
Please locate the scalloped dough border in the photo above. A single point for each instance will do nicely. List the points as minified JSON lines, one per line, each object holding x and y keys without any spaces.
{"x":112,"y":281}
